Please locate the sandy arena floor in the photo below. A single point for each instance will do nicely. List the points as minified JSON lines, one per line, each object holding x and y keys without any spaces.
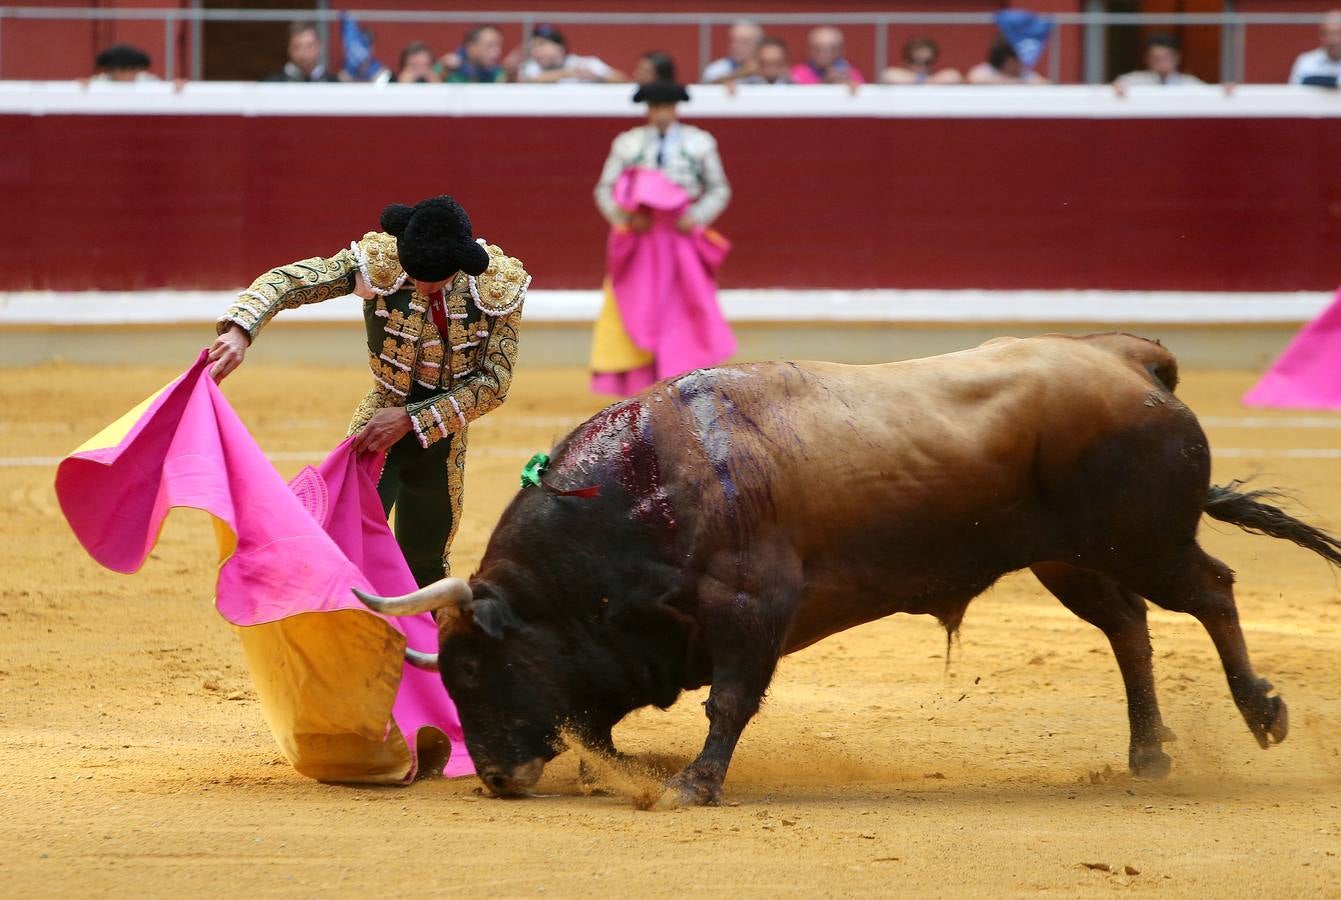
{"x":134,"y":761}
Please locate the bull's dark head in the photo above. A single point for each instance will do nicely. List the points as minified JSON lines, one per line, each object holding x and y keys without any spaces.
{"x":505,"y":677}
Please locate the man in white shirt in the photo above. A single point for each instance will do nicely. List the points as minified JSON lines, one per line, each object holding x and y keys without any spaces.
{"x":1323,"y":65}
{"x":1162,"y":61}
{"x":551,"y":63}
{"x":739,"y":61}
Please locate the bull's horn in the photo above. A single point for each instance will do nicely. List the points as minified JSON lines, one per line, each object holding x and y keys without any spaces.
{"x":425,"y":661}
{"x":439,"y":594}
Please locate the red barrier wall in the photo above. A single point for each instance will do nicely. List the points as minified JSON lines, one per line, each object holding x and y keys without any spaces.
{"x":125,"y":202}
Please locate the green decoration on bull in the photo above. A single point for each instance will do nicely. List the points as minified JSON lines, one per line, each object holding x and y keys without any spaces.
{"x":534,"y":470}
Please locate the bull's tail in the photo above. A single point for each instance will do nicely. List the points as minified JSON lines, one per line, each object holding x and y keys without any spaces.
{"x":1246,"y":510}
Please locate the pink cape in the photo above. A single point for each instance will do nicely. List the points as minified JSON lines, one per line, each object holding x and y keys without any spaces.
{"x":664,"y":281}
{"x":1308,"y":374}
{"x":329,"y":673}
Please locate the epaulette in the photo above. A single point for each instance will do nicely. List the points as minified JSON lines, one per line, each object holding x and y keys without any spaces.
{"x":379,"y":263}
{"x":499,"y":290}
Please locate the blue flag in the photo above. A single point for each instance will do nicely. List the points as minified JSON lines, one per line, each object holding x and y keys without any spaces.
{"x":360,"y":63}
{"x":1026,"y":32}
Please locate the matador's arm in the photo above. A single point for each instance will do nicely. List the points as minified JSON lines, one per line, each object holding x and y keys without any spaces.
{"x":306,"y":281}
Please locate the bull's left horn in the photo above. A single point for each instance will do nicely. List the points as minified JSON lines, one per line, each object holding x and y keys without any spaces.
{"x":439,"y":594}
{"x":428,"y":662}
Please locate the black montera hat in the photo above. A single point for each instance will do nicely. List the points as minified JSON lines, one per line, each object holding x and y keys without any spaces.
{"x":433,"y":239}
{"x":122,"y":56}
{"x":661,"y":92}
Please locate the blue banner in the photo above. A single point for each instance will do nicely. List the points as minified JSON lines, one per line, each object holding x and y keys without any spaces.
{"x":360,"y":63}
{"x":1026,"y":32}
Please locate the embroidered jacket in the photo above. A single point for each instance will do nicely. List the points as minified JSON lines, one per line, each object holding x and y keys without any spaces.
{"x":445,"y":381}
{"x":685,"y":154}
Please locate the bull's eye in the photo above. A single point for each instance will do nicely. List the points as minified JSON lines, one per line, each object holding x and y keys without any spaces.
{"x":467,"y":669}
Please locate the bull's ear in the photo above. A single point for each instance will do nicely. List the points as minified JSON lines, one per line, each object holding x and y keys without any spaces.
{"x":494,"y":618}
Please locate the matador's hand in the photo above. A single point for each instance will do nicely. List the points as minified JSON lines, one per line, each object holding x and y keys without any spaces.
{"x":385,"y":428}
{"x":228,"y":351}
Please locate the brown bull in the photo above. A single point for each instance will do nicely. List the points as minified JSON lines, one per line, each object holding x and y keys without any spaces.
{"x":746,"y":512}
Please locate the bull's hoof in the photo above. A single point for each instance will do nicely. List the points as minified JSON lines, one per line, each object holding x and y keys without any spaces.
{"x":1273,"y":723}
{"x":690,"y":790}
{"x":1149,"y":762}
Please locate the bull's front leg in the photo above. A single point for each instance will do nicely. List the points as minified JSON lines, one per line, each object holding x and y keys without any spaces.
{"x":733,"y":700}
{"x":743,"y":630}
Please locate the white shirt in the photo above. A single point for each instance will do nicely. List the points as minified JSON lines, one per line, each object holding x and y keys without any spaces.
{"x":1145,"y":76}
{"x":718,"y":69}
{"x":530,"y":70}
{"x":687,"y":156}
{"x":1314,"y":62}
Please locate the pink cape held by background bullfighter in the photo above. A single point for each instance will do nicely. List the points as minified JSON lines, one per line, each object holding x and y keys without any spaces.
{"x":661,"y":317}
{"x":1307,"y":375}
{"x":329,"y":673}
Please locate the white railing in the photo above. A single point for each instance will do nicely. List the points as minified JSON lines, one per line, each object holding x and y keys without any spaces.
{"x":1094,"y":25}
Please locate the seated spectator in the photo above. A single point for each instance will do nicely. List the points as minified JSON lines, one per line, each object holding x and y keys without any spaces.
{"x":361,"y":63}
{"x":416,"y":65}
{"x":122,"y":62}
{"x":304,"y":63}
{"x":919,"y":65}
{"x":1162,"y":59}
{"x":551,"y":63}
{"x":825,"y":63}
{"x":771,"y":64}
{"x":745,"y":40}
{"x":479,"y":59}
{"x":1003,"y":66}
{"x":1321,"y":67}
{"x":654,"y":66}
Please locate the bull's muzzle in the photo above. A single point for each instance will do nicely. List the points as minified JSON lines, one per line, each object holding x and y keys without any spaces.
{"x":515,"y":783}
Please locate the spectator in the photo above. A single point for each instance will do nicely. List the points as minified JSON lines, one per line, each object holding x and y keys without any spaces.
{"x":746,"y":39}
{"x":1322,"y":66}
{"x":304,"y":63}
{"x":1162,"y":59}
{"x":1003,"y":66}
{"x":551,"y":63}
{"x":416,"y":65}
{"x":825,"y":63}
{"x":919,"y":57}
{"x":771,"y":64}
{"x":654,"y":66}
{"x":122,"y":62}
{"x":479,"y":60}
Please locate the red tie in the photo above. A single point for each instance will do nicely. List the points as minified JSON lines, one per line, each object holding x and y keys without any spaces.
{"x":435,"y":306}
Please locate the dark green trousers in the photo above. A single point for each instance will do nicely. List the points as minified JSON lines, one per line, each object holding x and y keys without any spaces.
{"x":414,"y":482}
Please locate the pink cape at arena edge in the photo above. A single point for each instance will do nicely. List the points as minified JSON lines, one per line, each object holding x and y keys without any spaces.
{"x":329,"y":673}
{"x":1307,"y":374}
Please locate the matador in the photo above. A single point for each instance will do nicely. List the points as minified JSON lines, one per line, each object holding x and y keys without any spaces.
{"x":442,"y":311}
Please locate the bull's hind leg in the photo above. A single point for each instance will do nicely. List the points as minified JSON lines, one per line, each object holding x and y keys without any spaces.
{"x":1204,"y":586}
{"x":1120,"y":615}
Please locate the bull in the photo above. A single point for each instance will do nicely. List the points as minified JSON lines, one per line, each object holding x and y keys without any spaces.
{"x":695,"y":533}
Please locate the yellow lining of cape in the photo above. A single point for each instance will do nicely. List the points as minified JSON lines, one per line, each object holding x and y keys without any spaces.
{"x":612,"y":350}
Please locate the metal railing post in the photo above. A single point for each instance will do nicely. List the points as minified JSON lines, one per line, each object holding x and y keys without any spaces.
{"x":197,"y":38}
{"x":169,"y":47}
{"x":324,"y":26}
{"x":1227,"y":45}
{"x":881,"y":49}
{"x":1096,"y":49}
{"x":704,"y":47}
{"x":1055,"y":56}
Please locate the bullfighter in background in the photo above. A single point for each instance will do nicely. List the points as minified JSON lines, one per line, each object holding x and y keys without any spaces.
{"x":661,"y":188}
{"x":442,"y":312}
